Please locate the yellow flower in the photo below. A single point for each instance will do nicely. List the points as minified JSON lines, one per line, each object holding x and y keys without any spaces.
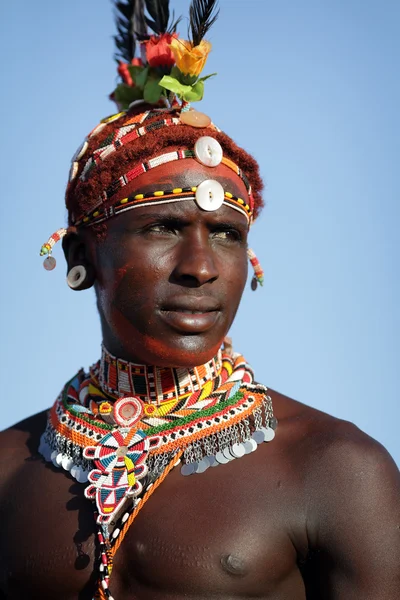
{"x":190,"y":59}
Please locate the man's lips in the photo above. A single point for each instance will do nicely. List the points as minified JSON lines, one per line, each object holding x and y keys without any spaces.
{"x":192,"y":315}
{"x":193,"y":305}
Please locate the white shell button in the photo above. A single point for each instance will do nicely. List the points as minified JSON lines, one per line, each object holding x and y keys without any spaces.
{"x":210,"y":195}
{"x":208,"y":151}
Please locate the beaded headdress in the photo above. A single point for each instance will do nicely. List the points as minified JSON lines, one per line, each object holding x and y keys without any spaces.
{"x":155,"y":125}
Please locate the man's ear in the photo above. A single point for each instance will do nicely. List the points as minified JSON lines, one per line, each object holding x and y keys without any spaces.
{"x":77,"y":255}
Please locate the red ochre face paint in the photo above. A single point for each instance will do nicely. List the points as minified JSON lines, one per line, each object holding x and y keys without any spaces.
{"x":169,"y":282}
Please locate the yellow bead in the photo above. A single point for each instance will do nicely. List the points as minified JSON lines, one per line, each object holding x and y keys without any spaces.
{"x":85,"y":219}
{"x":96,"y":214}
{"x":240,"y":201}
{"x":124,"y":200}
{"x":228,"y":194}
{"x":247,"y":207}
{"x":159,"y":193}
{"x":177,"y":191}
{"x":112,"y":117}
{"x":194,"y":189}
{"x":139,"y":197}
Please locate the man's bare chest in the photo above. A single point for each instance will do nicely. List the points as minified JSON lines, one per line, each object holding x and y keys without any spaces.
{"x":225,"y":531}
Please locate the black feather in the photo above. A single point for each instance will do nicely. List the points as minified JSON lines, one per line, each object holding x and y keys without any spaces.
{"x":125,"y":38}
{"x":159,"y":13}
{"x":202,"y":15}
{"x":139,"y":22}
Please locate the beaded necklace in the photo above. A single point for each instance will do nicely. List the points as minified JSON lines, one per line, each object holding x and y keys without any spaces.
{"x":122,"y":427}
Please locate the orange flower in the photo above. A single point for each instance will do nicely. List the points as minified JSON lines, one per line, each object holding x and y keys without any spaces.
{"x":158,"y":50}
{"x":190,"y":59}
{"x":124,"y":73}
{"x":137,"y":62}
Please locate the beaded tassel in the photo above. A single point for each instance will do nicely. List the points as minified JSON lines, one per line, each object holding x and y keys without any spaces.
{"x":258,"y":270}
{"x":50,"y":262}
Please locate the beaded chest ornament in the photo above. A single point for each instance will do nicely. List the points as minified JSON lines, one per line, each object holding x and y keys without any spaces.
{"x":122,"y":427}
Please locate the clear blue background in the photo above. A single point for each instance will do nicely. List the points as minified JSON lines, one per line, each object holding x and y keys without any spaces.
{"x":312,"y":90}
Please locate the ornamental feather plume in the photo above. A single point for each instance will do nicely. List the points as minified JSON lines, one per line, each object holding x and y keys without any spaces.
{"x":130,"y":23}
{"x":159,"y":13}
{"x":202,"y":15}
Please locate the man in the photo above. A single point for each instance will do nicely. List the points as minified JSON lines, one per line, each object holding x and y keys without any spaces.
{"x":163,"y":440}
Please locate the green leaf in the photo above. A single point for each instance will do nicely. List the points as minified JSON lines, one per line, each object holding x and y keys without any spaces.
{"x":125,"y":94}
{"x":207,"y":77}
{"x":188,"y":79}
{"x":141,"y":77}
{"x":134,"y":70}
{"x":152,"y":91}
{"x":173,"y":85}
{"x":195,"y":92}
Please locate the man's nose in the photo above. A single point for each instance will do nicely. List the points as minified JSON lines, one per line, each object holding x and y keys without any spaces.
{"x":196,"y":261}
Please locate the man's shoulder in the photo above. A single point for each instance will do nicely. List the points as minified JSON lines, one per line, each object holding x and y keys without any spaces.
{"x":19,"y":442}
{"x":328,"y":444}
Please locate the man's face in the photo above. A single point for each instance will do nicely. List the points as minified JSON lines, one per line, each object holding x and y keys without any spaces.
{"x":169,"y":278}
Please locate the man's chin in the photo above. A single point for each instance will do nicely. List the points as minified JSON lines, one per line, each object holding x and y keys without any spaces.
{"x":187,"y":351}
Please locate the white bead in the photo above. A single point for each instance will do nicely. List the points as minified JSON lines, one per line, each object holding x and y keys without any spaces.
{"x":208,"y":151}
{"x":210,"y":195}
{"x":116,"y":533}
{"x":80,"y":151}
{"x":73,"y":171}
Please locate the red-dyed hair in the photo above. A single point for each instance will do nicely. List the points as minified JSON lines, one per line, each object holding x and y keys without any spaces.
{"x":82,"y":196}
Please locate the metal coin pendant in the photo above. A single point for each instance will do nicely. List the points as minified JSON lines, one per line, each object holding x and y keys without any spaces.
{"x":210,"y":195}
{"x":203,"y":465}
{"x":227,"y":453}
{"x":208,"y":151}
{"x":238,"y":450}
{"x":221,"y":458}
{"x":269,"y":434}
{"x":49,"y":263}
{"x":258,"y":436}
{"x":188,"y":469}
{"x":250,"y":446}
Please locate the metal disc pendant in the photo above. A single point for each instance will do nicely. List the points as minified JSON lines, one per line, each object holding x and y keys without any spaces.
{"x":250,"y":446}
{"x":273,"y":423}
{"x":238,"y":450}
{"x":269,"y":434}
{"x":258,"y":436}
{"x":212,"y":460}
{"x":49,"y":263}
{"x":210,"y":195}
{"x":227,"y":453}
{"x":188,"y":469}
{"x":203,"y":465}
{"x":208,"y":151}
{"x":221,"y":458}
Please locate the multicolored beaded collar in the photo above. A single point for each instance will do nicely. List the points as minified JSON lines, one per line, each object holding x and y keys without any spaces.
{"x":153,"y":385}
{"x":123,"y":449}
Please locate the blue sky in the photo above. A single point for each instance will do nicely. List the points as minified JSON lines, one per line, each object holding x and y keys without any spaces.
{"x":312,"y":90}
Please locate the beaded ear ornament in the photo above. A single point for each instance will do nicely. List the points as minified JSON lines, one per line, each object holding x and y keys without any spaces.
{"x":167,"y":75}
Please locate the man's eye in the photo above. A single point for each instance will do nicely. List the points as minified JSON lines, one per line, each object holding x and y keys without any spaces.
{"x":161,"y":228}
{"x":228,"y":234}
